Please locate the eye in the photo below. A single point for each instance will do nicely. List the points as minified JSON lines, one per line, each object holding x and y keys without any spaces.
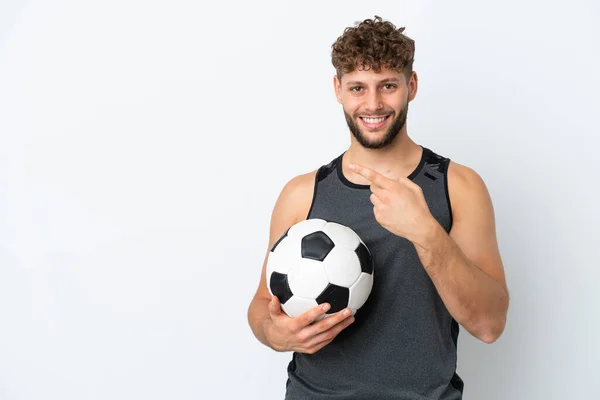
{"x":389,"y":86}
{"x":355,"y":89}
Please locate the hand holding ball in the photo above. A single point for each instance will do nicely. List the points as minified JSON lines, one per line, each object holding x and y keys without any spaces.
{"x":315,"y":262}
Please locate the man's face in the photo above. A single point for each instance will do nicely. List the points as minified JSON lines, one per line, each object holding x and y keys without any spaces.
{"x":375,"y":104}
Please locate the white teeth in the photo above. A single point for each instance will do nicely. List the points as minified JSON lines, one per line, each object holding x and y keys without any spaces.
{"x":373,"y":120}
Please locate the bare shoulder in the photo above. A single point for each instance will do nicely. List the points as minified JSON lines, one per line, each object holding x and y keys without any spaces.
{"x":292,"y":206}
{"x":474,"y":226}
{"x":296,"y":196}
{"x":466,"y":188}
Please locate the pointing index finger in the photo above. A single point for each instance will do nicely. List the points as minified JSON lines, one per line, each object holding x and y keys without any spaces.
{"x":370,"y":175}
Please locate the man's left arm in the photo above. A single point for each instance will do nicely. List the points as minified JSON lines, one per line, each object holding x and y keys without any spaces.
{"x":465,"y":265}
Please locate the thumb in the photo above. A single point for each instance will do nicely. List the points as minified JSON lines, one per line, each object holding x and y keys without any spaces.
{"x":274,"y":306}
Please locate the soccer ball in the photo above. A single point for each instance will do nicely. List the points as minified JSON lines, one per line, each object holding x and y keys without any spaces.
{"x":316,"y":261}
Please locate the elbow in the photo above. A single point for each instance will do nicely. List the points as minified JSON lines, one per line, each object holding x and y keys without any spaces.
{"x":489,"y":337}
{"x":486,"y":326}
{"x":491,"y":330}
{"x":490,"y":325}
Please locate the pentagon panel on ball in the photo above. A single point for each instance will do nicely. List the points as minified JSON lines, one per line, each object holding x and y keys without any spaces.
{"x":317,"y":261}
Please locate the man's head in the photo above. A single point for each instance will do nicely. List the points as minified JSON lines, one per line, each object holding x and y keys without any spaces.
{"x":374,"y":80}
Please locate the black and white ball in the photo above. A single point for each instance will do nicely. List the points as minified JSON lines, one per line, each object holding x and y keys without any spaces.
{"x":316,"y":261}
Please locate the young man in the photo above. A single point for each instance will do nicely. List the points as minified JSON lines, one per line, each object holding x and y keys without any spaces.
{"x":429,"y":224}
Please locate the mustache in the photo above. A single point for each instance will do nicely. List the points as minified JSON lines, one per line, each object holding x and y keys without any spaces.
{"x":375,"y":114}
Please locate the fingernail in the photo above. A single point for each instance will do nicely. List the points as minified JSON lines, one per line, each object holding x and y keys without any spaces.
{"x":346,"y":312}
{"x":351,"y":166}
{"x":326,"y":307}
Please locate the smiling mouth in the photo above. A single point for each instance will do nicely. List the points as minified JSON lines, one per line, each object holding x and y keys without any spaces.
{"x":374,"y":122}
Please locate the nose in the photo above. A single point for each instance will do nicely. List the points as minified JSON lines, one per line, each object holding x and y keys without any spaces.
{"x":373,"y":101}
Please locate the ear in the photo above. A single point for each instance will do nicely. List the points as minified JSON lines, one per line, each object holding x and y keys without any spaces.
{"x":337,"y":87}
{"x":413,"y":85}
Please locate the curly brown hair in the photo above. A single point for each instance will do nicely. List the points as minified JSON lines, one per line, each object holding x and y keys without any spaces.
{"x":373,"y":44}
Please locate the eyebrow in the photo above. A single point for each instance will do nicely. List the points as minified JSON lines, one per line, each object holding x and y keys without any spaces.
{"x":386,"y":80}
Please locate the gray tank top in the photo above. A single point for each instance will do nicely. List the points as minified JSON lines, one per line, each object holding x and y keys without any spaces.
{"x":403,"y":342}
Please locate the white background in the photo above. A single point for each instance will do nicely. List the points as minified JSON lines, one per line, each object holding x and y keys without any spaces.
{"x":143,"y":145}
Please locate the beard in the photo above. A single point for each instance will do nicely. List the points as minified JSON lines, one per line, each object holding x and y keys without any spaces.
{"x":387,"y":138}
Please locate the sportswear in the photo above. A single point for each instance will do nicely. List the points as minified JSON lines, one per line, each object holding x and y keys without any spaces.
{"x":403,"y":343}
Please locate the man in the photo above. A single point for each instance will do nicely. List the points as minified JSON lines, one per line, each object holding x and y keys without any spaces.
{"x":429,"y":224}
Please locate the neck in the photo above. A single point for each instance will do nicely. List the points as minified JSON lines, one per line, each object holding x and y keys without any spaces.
{"x":398,"y":159}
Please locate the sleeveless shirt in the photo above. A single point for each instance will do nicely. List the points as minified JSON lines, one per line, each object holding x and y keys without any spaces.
{"x":403,"y":342}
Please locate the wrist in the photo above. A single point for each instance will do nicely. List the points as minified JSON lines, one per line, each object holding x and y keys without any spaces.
{"x":432,"y":249}
{"x":267,"y":326}
{"x":430,"y":236}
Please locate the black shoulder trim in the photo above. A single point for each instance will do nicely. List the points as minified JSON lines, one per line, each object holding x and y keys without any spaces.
{"x":445,"y":165}
{"x":322,"y":173}
{"x":436,"y":162}
{"x":326,"y":169}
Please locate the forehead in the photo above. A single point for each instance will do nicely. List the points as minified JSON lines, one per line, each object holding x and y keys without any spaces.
{"x":371,"y":77}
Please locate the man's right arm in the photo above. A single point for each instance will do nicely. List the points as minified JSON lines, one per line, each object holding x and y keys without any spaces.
{"x":268,"y":322}
{"x":291,"y":207}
